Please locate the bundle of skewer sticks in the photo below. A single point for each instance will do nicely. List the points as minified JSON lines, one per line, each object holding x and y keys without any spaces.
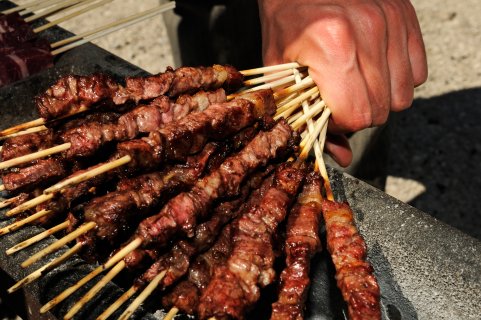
{"x":32,"y":53}
{"x":297,"y":100}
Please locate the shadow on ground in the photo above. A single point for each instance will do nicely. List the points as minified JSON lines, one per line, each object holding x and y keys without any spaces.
{"x":438,"y":143}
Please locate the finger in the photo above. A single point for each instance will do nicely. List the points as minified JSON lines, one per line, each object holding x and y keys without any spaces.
{"x":401,"y":77}
{"x":337,"y":146}
{"x":416,"y":49}
{"x":371,"y":38}
{"x":334,"y":68}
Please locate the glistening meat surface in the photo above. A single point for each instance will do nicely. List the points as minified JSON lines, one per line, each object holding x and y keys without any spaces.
{"x":185,"y":295}
{"x":354,"y":274}
{"x":180,"y":214}
{"x":88,"y":138}
{"x":72,"y":93}
{"x":187,"y":136}
{"x":301,"y":244}
{"x":235,"y":286}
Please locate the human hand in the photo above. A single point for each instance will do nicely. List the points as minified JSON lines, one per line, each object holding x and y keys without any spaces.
{"x":366,"y":57}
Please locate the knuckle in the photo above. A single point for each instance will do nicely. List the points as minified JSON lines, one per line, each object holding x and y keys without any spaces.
{"x":372,"y":17}
{"x":363,"y":121}
{"x":336,"y":27}
{"x":420,"y":75}
{"x":402,"y":102}
{"x":392,"y":9}
{"x":381,"y":117}
{"x":357,"y":122}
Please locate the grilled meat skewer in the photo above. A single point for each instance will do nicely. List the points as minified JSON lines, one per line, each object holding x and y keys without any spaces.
{"x":21,"y":145}
{"x":116,"y":213}
{"x":188,"y":135}
{"x":87,"y":137}
{"x":180,"y":215}
{"x":354,"y":274}
{"x":234,"y":288}
{"x":178,"y":140}
{"x":204,"y":235}
{"x":43,"y":171}
{"x":72,"y":94}
{"x":174,"y":264}
{"x":301,"y":244}
{"x":186,"y":294}
{"x":94,"y":130}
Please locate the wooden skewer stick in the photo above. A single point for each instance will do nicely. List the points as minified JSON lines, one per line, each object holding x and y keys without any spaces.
{"x":149,"y":14}
{"x":22,"y":126}
{"x":94,"y":290}
{"x":171,"y":314}
{"x":73,"y":14}
{"x":310,"y":94}
{"x":118,"y":303}
{"x":306,"y":111}
{"x":39,"y":6}
{"x":52,"y":10}
{"x":7,"y":202}
{"x":277,"y":83}
{"x":17,"y":224}
{"x":310,"y":136}
{"x":88,"y":174}
{"x":24,"y":244}
{"x":307,"y":82}
{"x":267,"y":69}
{"x":122,"y":22}
{"x":308,"y":141}
{"x":286,"y":99}
{"x":38,"y":122}
{"x":49,"y":266}
{"x":29,"y":204}
{"x":107,"y":265}
{"x":33,"y":156}
{"x":286,"y":110}
{"x":306,"y":116}
{"x":50,"y":192}
{"x":27,"y":131}
{"x":322,"y":165}
{"x":21,"y":7}
{"x":142,"y":296}
{"x":272,"y":84}
{"x":59,"y":243}
{"x":268,"y":78}
{"x":294,"y":117}
{"x":319,"y":123}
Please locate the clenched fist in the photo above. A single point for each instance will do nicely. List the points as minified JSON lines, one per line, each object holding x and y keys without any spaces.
{"x":366,"y":57}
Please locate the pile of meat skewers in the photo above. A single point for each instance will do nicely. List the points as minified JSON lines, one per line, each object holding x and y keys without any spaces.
{"x":197,"y":195}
